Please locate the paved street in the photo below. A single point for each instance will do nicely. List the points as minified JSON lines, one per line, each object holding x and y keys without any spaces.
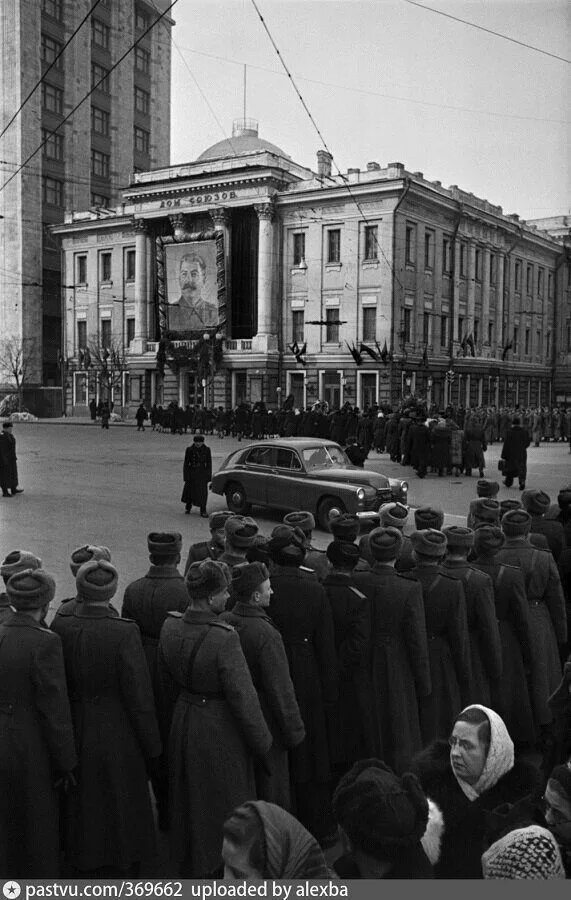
{"x":85,"y":485}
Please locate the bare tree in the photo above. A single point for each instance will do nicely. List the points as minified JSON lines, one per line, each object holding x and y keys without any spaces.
{"x":17,"y":365}
{"x":108,"y":362}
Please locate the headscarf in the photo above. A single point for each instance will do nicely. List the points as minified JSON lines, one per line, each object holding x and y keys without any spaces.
{"x":500,"y":758}
{"x":527,"y":853}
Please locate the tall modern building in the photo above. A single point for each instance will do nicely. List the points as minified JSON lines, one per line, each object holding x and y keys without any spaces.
{"x":121,"y":128}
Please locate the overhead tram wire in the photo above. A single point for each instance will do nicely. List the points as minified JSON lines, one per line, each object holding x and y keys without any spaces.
{"x":50,"y":67}
{"x":89,"y":93}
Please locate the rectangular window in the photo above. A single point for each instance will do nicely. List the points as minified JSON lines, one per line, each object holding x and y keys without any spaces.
{"x":52,"y":98}
{"x":299,"y":248}
{"x":428,"y":249}
{"x":297,"y":325}
{"x":99,"y":77}
{"x":81,"y":334}
{"x":334,"y":245}
{"x":100,"y":33}
{"x":550,"y":285}
{"x":406,"y":326}
{"x":492,"y":268}
{"x":518,"y":275}
{"x":142,"y":100}
{"x":332,"y":326}
{"x":106,"y":333}
{"x":100,"y":200}
{"x":141,"y":19}
{"x":490,"y":333}
{"x":528,"y":279}
{"x":142,"y":139}
{"x":443,"y":331}
{"x":548,"y":347}
{"x":462,"y":260}
{"x":538,"y":347}
{"x":369,"y":323}
{"x":410,"y":245}
{"x":134,"y":388}
{"x":105,"y":266}
{"x":446,"y":255}
{"x":52,"y":8}
{"x":371,"y":242}
{"x":142,"y":60}
{"x":50,"y":49}
{"x":478,"y":264}
{"x":81,"y":269}
{"x":526,"y":343}
{"x":460,"y":328}
{"x":130,"y":331}
{"x":53,"y":146}
{"x":516,"y":341}
{"x":100,"y":164}
{"x":100,"y":121}
{"x":130,"y":257}
{"x":426,"y":329}
{"x":540,"y":282}
{"x":52,"y":191}
{"x":568,"y":339}
{"x":476,"y":334}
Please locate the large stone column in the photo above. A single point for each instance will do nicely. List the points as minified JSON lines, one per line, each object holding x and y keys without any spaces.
{"x":485,"y":296}
{"x":456,"y":293}
{"x":141,"y":260}
{"x":500,"y":302}
{"x":266,"y":338}
{"x":471,"y":299}
{"x":221,"y":220}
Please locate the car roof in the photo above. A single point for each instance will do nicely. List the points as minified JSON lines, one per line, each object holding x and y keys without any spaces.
{"x":296,"y":443}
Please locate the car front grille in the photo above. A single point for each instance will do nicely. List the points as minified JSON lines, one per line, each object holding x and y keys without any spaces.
{"x":384,"y":495}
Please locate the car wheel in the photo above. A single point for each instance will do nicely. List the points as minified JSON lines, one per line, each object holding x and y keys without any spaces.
{"x":236,"y":499}
{"x":326,"y":507}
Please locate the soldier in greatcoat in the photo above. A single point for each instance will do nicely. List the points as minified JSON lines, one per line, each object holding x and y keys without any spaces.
{"x":16,"y":561}
{"x":428,"y":517}
{"x":395,"y":515}
{"x":36,"y":735}
{"x":314,"y":559}
{"x":8,"y":462}
{"x":213,"y":548}
{"x":485,"y":488}
{"x":537,"y":504}
{"x":265,"y":654}
{"x":80,"y":556}
{"x":196,"y":473}
{"x":211,"y":718}
{"x":109,"y":819}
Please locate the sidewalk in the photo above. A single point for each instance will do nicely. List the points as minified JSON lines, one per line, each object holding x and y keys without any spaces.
{"x":80,"y":420}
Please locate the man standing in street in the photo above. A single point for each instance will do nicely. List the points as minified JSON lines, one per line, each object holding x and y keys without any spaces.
{"x":514,"y":454}
{"x":197,"y":472}
{"x":8,"y":464}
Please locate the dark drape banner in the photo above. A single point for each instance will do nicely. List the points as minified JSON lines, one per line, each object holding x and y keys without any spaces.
{"x":244,"y":281}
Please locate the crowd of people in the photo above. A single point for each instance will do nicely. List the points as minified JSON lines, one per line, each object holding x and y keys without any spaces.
{"x":397,"y":706}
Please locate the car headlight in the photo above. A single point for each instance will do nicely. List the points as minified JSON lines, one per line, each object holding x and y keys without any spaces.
{"x":361,"y":494}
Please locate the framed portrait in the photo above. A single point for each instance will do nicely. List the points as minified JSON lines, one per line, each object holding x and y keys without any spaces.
{"x":191,"y":294}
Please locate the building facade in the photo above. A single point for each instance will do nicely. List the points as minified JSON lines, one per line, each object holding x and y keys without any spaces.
{"x":86,"y":161}
{"x":364,"y":288}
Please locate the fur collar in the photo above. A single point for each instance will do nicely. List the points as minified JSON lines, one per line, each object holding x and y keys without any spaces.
{"x":431,"y":840}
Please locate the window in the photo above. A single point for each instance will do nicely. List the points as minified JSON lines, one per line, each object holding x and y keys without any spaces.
{"x":428,"y":249}
{"x":462,"y":260}
{"x":100,"y":74}
{"x":100,"y":34}
{"x":332,"y":327}
{"x":516,"y":340}
{"x":410,"y":245}
{"x":371,"y":242}
{"x":99,"y":164}
{"x":105,"y":266}
{"x":369,"y":323}
{"x":100,"y":200}
{"x":492,"y":268}
{"x":297,"y":325}
{"x":334,"y":245}
{"x":287,"y":459}
{"x":134,"y":388}
{"x":130,"y":331}
{"x":53,"y":145}
{"x":299,"y":248}
{"x":568,"y":339}
{"x":52,"y":8}
{"x":52,"y":98}
{"x":548,"y":346}
{"x":478,"y":264}
{"x":81,"y":269}
{"x":490,"y":333}
{"x":446,"y":255}
{"x":260,"y":456}
{"x":550,"y":285}
{"x":141,"y":19}
{"x":50,"y":49}
{"x":52,"y":193}
{"x":518,"y":274}
{"x":142,"y":60}
{"x":406,"y":326}
{"x":528,"y":279}
{"x":130,"y":257}
{"x":526,"y":342}
{"x":141,"y":140}
{"x":460,"y":327}
{"x":538,"y":342}
{"x":81,"y":334}
{"x":99,"y":121}
{"x":476,"y":333}
{"x":443,"y":331}
{"x":142,"y":100}
{"x":426,"y":328}
{"x":106,"y":333}
{"x":540,"y":282}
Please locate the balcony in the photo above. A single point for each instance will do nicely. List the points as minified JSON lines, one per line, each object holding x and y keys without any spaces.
{"x":242,"y":345}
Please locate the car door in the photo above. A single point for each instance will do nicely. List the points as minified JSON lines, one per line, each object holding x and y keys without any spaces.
{"x":257,"y":474}
{"x":284,"y":488}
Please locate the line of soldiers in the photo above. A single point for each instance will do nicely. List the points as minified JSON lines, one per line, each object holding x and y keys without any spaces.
{"x":264,"y":672}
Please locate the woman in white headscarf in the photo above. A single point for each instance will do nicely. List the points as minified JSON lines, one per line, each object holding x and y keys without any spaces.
{"x":468,"y":776}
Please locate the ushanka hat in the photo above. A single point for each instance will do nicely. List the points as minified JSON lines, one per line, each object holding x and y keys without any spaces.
{"x":343,"y":554}
{"x":164,"y":543}
{"x":96,"y":581}
{"x":528,"y":853}
{"x":207,"y":577}
{"x":458,"y":536}
{"x":301,"y":519}
{"x":564,"y":497}
{"x":516,"y":522}
{"x":86,"y":553}
{"x":17,"y":561}
{"x":287,"y":545}
{"x":198,"y":439}
{"x":344,"y":527}
{"x":428,"y":517}
{"x":217,"y":520}
{"x":487,"y":509}
{"x":241,"y":530}
{"x":394,"y":514}
{"x":429,"y":542}
{"x":488,"y":540}
{"x":535,"y":501}
{"x":385,"y":543}
{"x":487,"y":488}
{"x":247,"y":577}
{"x":507,"y":505}
{"x":30,"y":589}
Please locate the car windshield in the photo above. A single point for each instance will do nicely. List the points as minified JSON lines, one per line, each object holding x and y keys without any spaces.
{"x":323,"y":457}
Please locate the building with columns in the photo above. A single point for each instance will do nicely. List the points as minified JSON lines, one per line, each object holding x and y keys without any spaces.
{"x":363,"y":287}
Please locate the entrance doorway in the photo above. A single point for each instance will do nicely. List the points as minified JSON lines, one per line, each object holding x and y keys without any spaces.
{"x":193,"y":390}
{"x":368,"y":390}
{"x":332,"y":389}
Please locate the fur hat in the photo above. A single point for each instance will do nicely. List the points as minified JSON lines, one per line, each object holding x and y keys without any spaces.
{"x":343,"y":554}
{"x":488,"y":539}
{"x":487,"y":488}
{"x":258,"y":552}
{"x":380,"y":812}
{"x":564,"y":497}
{"x":385,"y":543}
{"x":457,"y":536}
{"x":241,"y":530}
{"x":344,"y":527}
{"x":7,"y":424}
{"x":287,"y":545}
{"x":536,"y":502}
{"x":217,"y":520}
{"x":428,"y":517}
{"x":507,"y":505}
{"x":301,"y":519}
{"x":429,"y":542}
{"x":516,"y":522}
{"x":198,"y":439}
{"x":527,"y":853}
{"x":85,"y":554}
{"x":30,"y":589}
{"x":394,"y":514}
{"x":207,"y":577}
{"x":97,"y":580}
{"x":17,"y":561}
{"x":164,"y":543}
{"x":246,"y":577}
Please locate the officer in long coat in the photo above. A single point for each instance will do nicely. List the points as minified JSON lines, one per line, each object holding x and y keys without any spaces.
{"x":8,"y":462}
{"x":36,"y":734}
{"x":265,"y":654}
{"x":537,"y":504}
{"x":109,"y":819}
{"x":398,"y":664}
{"x":197,"y":473}
{"x":16,"y":561}
{"x":214,"y":547}
{"x":514,"y":454}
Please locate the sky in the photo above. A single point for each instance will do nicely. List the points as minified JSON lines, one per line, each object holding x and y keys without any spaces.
{"x":388,"y":81}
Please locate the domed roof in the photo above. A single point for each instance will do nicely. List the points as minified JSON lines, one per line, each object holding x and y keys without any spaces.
{"x":244,"y":141}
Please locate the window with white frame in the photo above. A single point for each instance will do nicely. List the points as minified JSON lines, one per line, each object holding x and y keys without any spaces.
{"x":52,"y":98}
{"x":410,"y":244}
{"x":100,"y":164}
{"x":428,"y":249}
{"x":81,"y":334}
{"x":297,"y":325}
{"x":369,"y":323}
{"x":130,"y":325}
{"x":105,"y":326}
{"x":81,"y":269}
{"x":52,"y":191}
{"x":298,"y":248}
{"x":334,"y":245}
{"x":130,"y":262}
{"x":142,"y":140}
{"x":142,"y":100}
{"x":105,"y":266}
{"x":332,"y":325}
{"x":99,"y":77}
{"x":100,"y":121}
{"x":52,"y":145}
{"x":50,"y":49}
{"x":371,"y":242}
{"x":446,"y":255}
